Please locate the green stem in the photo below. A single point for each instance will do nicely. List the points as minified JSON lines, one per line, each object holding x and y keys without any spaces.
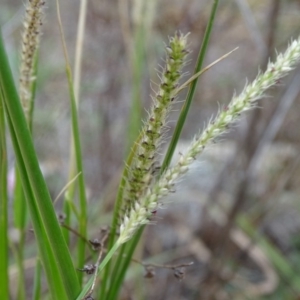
{"x":79,"y":164}
{"x":4,"y":277}
{"x":78,"y":154}
{"x":33,"y":91}
{"x":36,"y":295}
{"x":20,"y":207}
{"x":115,"y":220}
{"x":21,"y":291}
{"x":117,"y":265}
{"x":20,"y":217}
{"x":124,"y":261}
{"x":67,"y":218}
{"x":137,"y":70}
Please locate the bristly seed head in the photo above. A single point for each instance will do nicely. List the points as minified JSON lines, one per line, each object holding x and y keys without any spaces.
{"x":145,"y":156}
{"x":137,"y":216}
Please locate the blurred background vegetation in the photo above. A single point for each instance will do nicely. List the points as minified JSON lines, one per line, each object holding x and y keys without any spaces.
{"x":237,"y":214}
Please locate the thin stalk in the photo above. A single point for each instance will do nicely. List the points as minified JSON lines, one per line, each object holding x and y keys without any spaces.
{"x":120,"y":272}
{"x":117,"y":207}
{"x":82,"y":193}
{"x":4,"y":277}
{"x":191,"y":92}
{"x":27,"y":88}
{"x":78,"y":51}
{"x":137,"y":65}
{"x":20,"y":218}
{"x":33,"y":91}
{"x":107,"y":258}
{"x":21,"y":290}
{"x":20,"y":207}
{"x":36,"y":295}
{"x":67,"y":217}
{"x":117,"y":265}
{"x":69,"y":195}
{"x":78,"y":156}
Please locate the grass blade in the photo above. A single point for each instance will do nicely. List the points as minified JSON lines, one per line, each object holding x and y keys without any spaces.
{"x":19,"y":202}
{"x":78,"y":155}
{"x":124,"y":261}
{"x":56,"y":286}
{"x":69,"y":195}
{"x":48,"y":233}
{"x":137,"y":70}
{"x":36,"y":295}
{"x":105,"y":261}
{"x":4,"y":278}
{"x":116,"y":212}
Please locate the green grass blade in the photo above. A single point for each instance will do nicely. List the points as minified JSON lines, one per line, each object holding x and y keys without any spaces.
{"x":122,"y":266}
{"x":117,"y":266}
{"x":67,"y":219}
{"x":19,"y":202}
{"x":19,"y":205}
{"x":4,"y":278}
{"x":20,"y":208}
{"x":45,"y":223}
{"x":78,"y":155}
{"x":112,"y":235}
{"x":36,"y":295}
{"x":191,"y":92}
{"x":20,"y":219}
{"x":135,"y":115}
{"x":69,"y":195}
{"x":33,"y":91}
{"x":82,"y":192}
{"x":115,"y":219}
{"x":101,"y":267}
{"x":56,"y":285}
{"x":19,"y":254}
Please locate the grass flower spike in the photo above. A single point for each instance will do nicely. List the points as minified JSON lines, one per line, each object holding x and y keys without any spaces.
{"x":30,"y":42}
{"x":145,"y":156}
{"x":141,"y":211}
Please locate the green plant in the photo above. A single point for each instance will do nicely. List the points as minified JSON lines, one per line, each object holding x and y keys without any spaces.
{"x":144,"y":183}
